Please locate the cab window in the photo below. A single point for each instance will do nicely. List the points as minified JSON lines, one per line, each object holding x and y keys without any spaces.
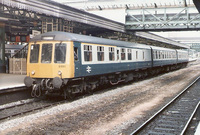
{"x":34,"y":56}
{"x":60,"y":53}
{"x":46,"y":53}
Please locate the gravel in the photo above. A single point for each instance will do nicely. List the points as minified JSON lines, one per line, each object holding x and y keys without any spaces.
{"x":117,"y":111}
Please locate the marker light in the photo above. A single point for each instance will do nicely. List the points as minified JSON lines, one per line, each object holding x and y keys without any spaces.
{"x":33,"y":72}
{"x":59,"y":72}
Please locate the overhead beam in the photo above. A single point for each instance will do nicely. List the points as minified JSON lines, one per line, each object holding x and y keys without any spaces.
{"x":163,"y":19}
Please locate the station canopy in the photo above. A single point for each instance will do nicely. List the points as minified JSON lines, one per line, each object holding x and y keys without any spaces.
{"x":85,"y":4}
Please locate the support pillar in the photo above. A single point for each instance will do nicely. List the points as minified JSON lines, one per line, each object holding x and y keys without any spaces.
{"x":2,"y":48}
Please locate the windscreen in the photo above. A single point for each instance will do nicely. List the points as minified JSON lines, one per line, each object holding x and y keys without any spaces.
{"x":34,"y":56}
{"x":60,"y":53}
{"x":46,"y":53}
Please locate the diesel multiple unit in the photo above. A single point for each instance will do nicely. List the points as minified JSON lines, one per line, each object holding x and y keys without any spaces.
{"x":67,"y":63}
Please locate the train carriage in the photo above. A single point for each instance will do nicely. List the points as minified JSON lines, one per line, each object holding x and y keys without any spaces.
{"x":67,"y":63}
{"x":182,"y":56}
{"x":164,"y":56}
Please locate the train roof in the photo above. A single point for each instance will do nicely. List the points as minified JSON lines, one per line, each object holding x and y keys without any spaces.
{"x":65,"y":36}
{"x":161,"y":48}
{"x":182,"y":51}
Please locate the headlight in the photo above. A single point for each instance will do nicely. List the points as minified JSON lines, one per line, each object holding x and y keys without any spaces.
{"x":33,"y":72}
{"x":59,"y":72}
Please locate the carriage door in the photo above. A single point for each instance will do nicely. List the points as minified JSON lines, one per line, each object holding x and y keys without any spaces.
{"x":77,"y":58}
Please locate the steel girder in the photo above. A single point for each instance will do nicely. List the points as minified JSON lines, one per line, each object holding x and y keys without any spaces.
{"x":50,"y":8}
{"x":166,"y":18}
{"x":16,"y":13}
{"x":19,"y":20}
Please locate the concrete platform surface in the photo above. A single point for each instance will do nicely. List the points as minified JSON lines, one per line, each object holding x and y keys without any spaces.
{"x":11,"y":81}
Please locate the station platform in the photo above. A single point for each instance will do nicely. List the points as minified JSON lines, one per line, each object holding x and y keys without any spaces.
{"x":8,"y":81}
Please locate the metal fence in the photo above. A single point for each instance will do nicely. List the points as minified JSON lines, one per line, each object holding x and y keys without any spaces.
{"x":17,"y":66}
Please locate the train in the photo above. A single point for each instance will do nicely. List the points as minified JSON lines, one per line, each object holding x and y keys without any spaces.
{"x":67,"y":63}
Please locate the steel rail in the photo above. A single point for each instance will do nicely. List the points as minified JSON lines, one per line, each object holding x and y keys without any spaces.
{"x":163,"y":108}
{"x":18,"y":104}
{"x":190,"y":119}
{"x":30,"y":110}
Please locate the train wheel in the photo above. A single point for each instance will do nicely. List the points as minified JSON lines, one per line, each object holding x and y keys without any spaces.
{"x":89,"y":91}
{"x":68,"y":94}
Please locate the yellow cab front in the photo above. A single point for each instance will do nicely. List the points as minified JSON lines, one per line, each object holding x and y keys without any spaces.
{"x":50,"y":59}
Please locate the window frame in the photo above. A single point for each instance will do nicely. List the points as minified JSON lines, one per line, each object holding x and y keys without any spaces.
{"x":123,"y":54}
{"x":34,"y":53}
{"x":65,"y":55}
{"x":45,"y":44}
{"x":129,"y":53}
{"x":100,"y":53}
{"x":87,"y":50}
{"x":111,"y":54}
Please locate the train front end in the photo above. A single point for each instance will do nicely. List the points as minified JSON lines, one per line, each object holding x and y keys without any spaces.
{"x":49,"y":65}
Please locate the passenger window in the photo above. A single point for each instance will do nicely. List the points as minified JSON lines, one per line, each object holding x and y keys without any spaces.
{"x":159,"y":57}
{"x":155,"y":54}
{"x":60,"y":53}
{"x":111,"y":53}
{"x":136,"y":55}
{"x":123,"y":54}
{"x":76,"y":53}
{"x":117,"y":54}
{"x":143,"y":55}
{"x":34,"y":54}
{"x":100,"y":53}
{"x":129,"y":54}
{"x":87,"y":52}
{"x":46,"y":53}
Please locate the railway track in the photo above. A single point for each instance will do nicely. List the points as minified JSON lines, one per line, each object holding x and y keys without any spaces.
{"x":174,"y":117}
{"x":14,"y":94}
{"x":24,"y":107}
{"x":19,"y":109}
